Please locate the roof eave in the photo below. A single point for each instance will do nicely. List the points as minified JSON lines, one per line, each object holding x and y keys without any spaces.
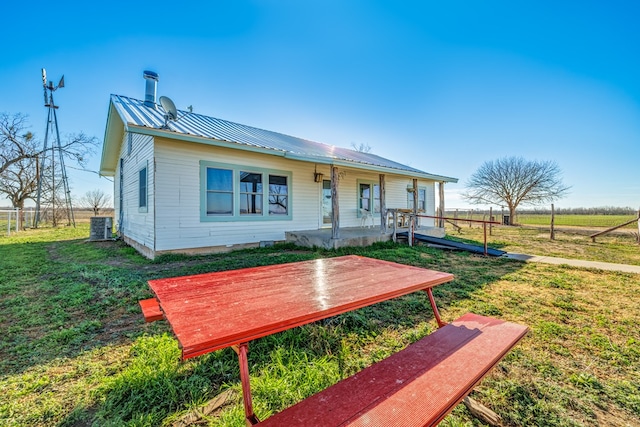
{"x":113,"y":135}
{"x":370,"y":167}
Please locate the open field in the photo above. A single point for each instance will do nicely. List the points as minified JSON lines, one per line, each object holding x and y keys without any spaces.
{"x":75,"y":350}
{"x":578,"y":220}
{"x":560,"y":220}
{"x":573,"y":243}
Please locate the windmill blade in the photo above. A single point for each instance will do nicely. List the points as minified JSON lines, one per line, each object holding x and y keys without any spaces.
{"x":61,"y":83}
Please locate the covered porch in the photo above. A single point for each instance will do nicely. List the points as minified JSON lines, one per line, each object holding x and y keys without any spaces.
{"x":351,"y":236}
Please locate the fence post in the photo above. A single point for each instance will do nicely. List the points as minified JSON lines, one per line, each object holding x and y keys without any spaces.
{"x":490,"y":219}
{"x":553,"y":218}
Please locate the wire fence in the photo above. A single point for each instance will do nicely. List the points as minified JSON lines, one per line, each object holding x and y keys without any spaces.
{"x":10,"y":220}
{"x":563,"y":218}
{"x":13,"y":220}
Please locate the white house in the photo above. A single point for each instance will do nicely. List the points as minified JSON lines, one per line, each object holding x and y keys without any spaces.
{"x":202,"y":184}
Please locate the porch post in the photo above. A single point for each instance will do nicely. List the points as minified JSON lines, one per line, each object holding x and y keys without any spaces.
{"x":441,"y":191}
{"x":415,"y":196}
{"x":335,"y":211}
{"x":383,"y":206}
{"x":415,"y":208}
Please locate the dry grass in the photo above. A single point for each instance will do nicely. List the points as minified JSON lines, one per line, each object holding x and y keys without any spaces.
{"x":621,"y":248}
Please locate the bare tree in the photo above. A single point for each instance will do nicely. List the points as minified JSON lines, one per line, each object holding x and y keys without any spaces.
{"x":362,"y":147}
{"x":514,"y":181}
{"x":96,"y":200}
{"x":21,"y":152}
{"x":18,"y":182}
{"x":16,"y":143}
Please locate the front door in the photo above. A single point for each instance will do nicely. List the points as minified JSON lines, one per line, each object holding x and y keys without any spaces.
{"x":326,"y":204}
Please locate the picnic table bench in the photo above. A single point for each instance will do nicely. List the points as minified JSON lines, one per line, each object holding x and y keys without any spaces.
{"x":417,"y":386}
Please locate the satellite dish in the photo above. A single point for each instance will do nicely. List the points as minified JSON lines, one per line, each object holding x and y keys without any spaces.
{"x":170,"y":111}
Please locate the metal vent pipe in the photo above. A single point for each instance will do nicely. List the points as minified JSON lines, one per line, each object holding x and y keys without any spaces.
{"x":152,"y":85}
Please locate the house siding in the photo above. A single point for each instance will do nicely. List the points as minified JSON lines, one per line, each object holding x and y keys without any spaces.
{"x":135,"y":224}
{"x":179,"y":224}
{"x":177,"y":197}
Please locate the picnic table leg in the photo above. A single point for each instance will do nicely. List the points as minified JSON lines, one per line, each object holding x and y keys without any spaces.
{"x":436,"y":314}
{"x":250,"y":418}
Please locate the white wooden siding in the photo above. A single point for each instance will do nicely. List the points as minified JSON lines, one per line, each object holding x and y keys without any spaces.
{"x":137,"y":224}
{"x":177,"y":197}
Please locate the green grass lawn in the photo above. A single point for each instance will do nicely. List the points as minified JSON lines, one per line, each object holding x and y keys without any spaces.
{"x":75,"y":350}
{"x":578,"y":220}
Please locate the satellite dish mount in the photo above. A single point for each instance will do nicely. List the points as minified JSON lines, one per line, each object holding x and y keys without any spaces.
{"x":170,"y":111}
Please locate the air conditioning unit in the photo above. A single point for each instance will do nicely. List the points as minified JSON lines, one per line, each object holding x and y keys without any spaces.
{"x":101,"y":228}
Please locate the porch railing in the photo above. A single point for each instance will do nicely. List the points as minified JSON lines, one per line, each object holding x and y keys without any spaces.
{"x":440,"y":219}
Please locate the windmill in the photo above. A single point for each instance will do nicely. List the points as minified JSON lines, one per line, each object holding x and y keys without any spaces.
{"x":54,"y":197}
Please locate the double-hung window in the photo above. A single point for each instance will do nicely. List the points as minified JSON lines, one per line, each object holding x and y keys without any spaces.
{"x":278,"y":194}
{"x":422,"y":200}
{"x":235,"y":192}
{"x":251,"y":192}
{"x":368,"y":197}
{"x":219,"y":191}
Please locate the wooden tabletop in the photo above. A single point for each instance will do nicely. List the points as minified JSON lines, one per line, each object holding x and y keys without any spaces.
{"x":211,"y":311}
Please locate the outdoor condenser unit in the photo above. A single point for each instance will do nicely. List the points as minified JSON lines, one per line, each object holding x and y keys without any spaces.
{"x":101,"y":228}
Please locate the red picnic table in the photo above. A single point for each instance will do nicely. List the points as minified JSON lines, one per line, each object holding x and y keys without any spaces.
{"x":208,"y":312}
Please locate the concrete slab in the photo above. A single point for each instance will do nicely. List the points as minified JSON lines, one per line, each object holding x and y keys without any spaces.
{"x":356,"y":236}
{"x":625,"y":268}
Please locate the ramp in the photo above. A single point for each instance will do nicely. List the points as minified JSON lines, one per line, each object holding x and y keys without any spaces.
{"x":454,"y":245}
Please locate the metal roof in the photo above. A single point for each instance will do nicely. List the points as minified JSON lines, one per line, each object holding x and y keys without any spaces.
{"x":133,"y":112}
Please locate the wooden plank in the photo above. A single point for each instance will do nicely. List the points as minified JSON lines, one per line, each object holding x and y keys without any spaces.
{"x":151,"y":310}
{"x":417,"y":386}
{"x":215,"y":310}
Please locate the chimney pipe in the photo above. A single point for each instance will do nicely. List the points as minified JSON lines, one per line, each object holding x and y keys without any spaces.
{"x":150,"y":92}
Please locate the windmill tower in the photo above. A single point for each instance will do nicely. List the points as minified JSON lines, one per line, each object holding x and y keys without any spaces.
{"x":53,"y":203}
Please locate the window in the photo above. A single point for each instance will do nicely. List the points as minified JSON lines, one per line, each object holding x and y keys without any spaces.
{"x":232,"y":192}
{"x":368,"y":197}
{"x":278,"y":195}
{"x":250,"y":193}
{"x":422,"y":199}
{"x":142,"y":188}
{"x":219,"y":197}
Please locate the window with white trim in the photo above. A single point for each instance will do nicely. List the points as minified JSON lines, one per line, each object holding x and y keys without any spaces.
{"x":368,"y":197}
{"x":235,"y":192}
{"x":422,"y":199}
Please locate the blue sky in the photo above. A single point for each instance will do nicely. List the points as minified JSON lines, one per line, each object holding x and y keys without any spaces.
{"x":440,"y":86}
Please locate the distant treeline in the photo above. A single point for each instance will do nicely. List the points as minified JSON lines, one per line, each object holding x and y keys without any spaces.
{"x":601,"y":210}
